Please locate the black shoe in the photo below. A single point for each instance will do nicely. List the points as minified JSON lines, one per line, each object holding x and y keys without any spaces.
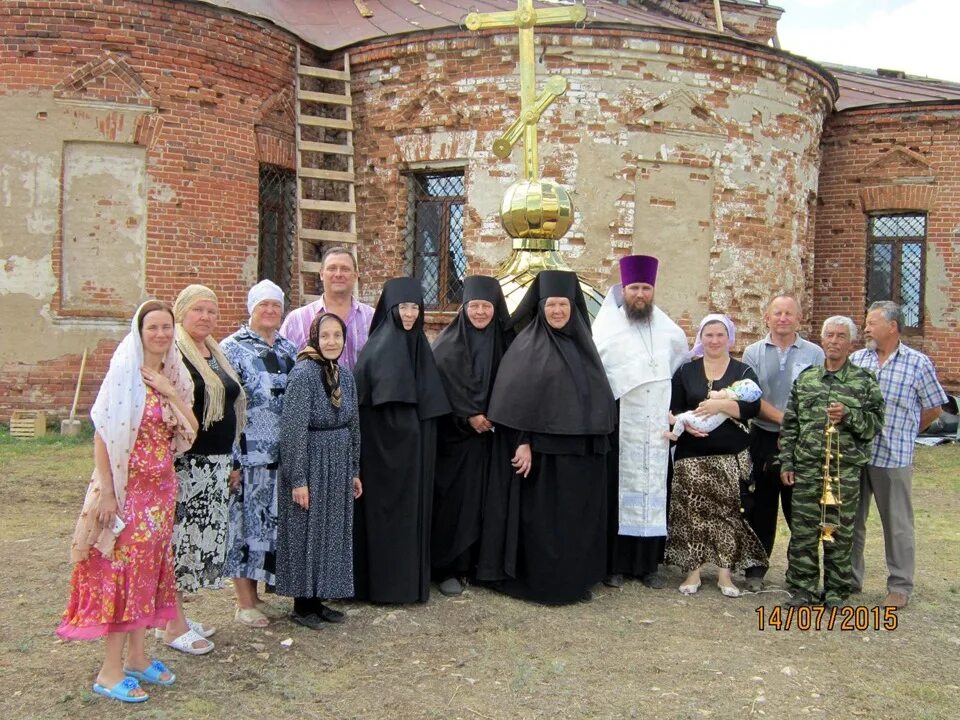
{"x":311,"y":621}
{"x":799,"y":599}
{"x":451,"y":587}
{"x":328,"y":614}
{"x":653,"y":581}
{"x":587,"y":596}
{"x":830,"y":604}
{"x":753,"y":584}
{"x":614,"y":581}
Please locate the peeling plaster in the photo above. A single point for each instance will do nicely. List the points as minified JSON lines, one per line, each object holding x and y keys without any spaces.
{"x":26,"y":276}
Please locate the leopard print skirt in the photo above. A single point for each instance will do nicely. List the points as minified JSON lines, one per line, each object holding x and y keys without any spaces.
{"x":705,"y":523}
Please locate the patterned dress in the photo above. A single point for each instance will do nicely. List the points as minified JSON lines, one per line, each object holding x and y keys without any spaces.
{"x":135,"y":587}
{"x":200,"y":528}
{"x":319,"y":450}
{"x":263,"y":371}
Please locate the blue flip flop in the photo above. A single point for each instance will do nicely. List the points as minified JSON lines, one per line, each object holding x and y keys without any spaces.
{"x":121,"y":691}
{"x":153,"y":674}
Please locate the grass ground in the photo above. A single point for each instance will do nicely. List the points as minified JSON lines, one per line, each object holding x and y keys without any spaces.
{"x":631,"y":653}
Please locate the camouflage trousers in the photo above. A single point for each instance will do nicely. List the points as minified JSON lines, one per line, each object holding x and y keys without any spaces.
{"x":803,"y":554}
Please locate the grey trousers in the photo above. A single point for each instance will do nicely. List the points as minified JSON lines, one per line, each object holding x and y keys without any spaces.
{"x":891,"y":487}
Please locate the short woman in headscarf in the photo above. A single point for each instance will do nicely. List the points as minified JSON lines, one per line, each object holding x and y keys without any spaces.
{"x":470,"y":454}
{"x":552,"y":389}
{"x":400,"y":396}
{"x":263,"y":359}
{"x":706,"y":524}
{"x":319,"y":477}
{"x":204,"y":474}
{"x":123,"y":580}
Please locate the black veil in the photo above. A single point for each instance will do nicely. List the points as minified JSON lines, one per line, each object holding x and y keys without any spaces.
{"x":468,"y":358}
{"x":552,"y":381}
{"x":396,"y":365}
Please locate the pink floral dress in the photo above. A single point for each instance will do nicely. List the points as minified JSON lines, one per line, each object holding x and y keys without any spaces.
{"x":135,"y":588}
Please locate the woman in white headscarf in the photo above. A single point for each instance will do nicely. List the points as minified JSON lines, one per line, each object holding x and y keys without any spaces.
{"x":705,"y":522}
{"x":204,"y":474}
{"x":263,"y":359}
{"x":123,"y":574}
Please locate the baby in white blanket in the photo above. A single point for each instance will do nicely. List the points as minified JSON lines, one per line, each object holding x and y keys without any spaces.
{"x":745,"y":390}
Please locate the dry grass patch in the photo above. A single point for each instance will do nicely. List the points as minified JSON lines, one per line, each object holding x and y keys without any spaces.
{"x":631,"y":653}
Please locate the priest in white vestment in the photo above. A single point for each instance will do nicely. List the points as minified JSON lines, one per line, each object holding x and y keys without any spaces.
{"x":640,"y":348}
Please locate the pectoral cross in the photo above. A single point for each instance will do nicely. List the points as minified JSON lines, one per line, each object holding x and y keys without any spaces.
{"x":525,"y":18}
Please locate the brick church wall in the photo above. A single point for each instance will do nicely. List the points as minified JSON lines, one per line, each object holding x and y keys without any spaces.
{"x":890,"y":160}
{"x":702,"y":152}
{"x":199,"y":96}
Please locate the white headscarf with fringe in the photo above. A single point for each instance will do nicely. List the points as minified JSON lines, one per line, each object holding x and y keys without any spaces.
{"x":116,"y":414}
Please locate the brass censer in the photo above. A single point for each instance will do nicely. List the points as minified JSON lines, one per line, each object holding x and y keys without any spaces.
{"x":829,"y":498}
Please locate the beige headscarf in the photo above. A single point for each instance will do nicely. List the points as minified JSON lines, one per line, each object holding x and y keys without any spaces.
{"x":213,"y":392}
{"x":116,"y":416}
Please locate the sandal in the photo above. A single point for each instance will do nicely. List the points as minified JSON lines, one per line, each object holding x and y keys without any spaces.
{"x":271,"y":611}
{"x":730,"y":591}
{"x":153,"y":674}
{"x":198,"y":628}
{"x":121,"y":691}
{"x":185,"y":642}
{"x":251,"y":617}
{"x":690,"y":589}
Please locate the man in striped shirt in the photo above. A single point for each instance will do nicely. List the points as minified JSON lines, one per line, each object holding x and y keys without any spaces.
{"x":912,"y":396}
{"x":339,"y":275}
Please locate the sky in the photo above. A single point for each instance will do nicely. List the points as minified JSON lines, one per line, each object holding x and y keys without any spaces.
{"x":920,"y":37}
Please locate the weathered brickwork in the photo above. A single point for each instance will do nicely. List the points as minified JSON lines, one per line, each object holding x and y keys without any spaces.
{"x":206,"y":92}
{"x":892,"y":160}
{"x":646,"y":117}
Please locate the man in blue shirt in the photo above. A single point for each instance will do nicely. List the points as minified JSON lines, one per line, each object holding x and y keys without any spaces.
{"x":913,"y":397}
{"x":777,"y":360}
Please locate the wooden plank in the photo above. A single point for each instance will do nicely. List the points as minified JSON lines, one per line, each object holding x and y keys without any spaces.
{"x":311,"y":266}
{"x":325,"y":122}
{"x":328,"y":148}
{"x":322,"y":97}
{"x":333,"y":236}
{"x":320,"y":174}
{"x":325,"y":73}
{"x":328,"y":205}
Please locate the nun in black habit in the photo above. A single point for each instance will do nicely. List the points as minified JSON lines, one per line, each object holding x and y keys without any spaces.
{"x":551,"y":388}
{"x":473,"y":475}
{"x":400,"y":397}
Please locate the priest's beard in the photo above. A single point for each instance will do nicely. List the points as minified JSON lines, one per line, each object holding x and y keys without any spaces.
{"x":639,"y":312}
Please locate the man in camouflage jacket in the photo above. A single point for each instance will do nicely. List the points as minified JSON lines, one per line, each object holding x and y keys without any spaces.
{"x":848,"y":398}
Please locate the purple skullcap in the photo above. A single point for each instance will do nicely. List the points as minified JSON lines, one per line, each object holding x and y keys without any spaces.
{"x":638,"y":269}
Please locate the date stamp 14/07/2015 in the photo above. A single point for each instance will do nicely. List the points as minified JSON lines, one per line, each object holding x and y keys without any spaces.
{"x":819,"y":617}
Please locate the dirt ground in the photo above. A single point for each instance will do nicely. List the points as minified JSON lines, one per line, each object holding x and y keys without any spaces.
{"x":631,"y":653}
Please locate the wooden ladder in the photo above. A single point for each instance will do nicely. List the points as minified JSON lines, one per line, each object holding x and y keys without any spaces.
{"x":326,"y":203}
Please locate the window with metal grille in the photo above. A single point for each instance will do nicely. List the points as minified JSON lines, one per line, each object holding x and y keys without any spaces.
{"x":434,"y":252}
{"x":278,"y":224}
{"x":896,"y":257}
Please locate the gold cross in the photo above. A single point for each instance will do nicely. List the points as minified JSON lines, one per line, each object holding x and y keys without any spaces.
{"x":525,"y":18}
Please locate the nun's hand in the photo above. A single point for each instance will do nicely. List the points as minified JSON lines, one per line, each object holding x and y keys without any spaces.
{"x":523,"y":460}
{"x":357,"y":488}
{"x":301,"y":497}
{"x":480,"y":424}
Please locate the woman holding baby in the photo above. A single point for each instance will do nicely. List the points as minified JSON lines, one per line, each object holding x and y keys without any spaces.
{"x":705,"y":520}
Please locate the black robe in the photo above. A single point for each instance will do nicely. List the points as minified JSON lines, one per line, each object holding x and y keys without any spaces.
{"x":400,"y":397}
{"x":551,"y":388}
{"x":473,"y":477}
